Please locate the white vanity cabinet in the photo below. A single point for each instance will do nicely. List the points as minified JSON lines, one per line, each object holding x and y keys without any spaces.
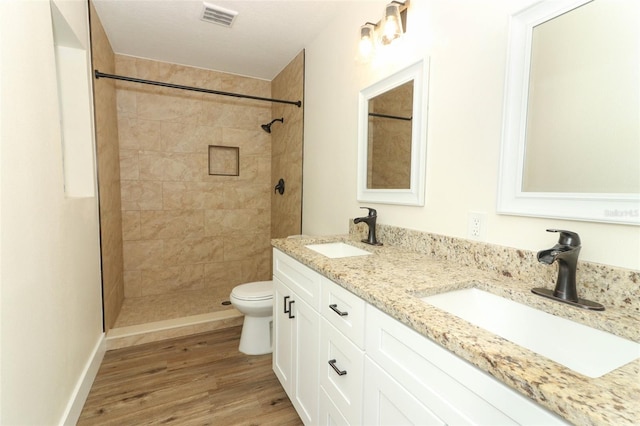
{"x":344,"y":362}
{"x":296,"y":333}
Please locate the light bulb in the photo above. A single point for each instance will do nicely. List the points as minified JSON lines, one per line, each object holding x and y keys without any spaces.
{"x":367,"y":39}
{"x":392,"y":25}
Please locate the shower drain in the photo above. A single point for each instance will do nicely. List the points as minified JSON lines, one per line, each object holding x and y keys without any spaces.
{"x":226,"y":303}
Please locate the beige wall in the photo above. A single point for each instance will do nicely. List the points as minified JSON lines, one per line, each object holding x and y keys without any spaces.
{"x":182,"y":228}
{"x":466,"y":43}
{"x":287,"y":142}
{"x":108,"y":172}
{"x":49,"y":250}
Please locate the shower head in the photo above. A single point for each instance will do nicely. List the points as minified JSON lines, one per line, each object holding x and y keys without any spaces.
{"x":267,"y":127}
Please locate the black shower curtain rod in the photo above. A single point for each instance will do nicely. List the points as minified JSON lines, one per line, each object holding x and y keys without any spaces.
{"x":394,"y":117}
{"x":99,"y":74}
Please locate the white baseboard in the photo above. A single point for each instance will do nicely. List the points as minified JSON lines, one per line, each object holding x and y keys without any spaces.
{"x":81,"y":391}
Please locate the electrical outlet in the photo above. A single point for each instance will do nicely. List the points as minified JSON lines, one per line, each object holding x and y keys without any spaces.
{"x":477,"y":226}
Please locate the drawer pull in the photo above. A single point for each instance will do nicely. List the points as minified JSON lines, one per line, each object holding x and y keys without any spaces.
{"x":335,"y":309}
{"x":286,"y":311}
{"x":332,"y":363}
{"x":290,"y":311}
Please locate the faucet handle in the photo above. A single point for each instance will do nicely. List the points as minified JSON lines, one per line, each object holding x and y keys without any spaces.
{"x":372,"y":212}
{"x":567,"y":238}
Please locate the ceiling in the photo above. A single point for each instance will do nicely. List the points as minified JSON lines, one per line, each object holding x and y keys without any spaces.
{"x":265,"y":36}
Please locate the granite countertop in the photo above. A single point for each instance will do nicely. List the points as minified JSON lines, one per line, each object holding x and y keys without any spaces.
{"x":394,"y":279}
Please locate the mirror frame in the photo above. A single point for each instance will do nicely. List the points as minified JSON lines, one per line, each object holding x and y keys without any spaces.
{"x":595,"y":207}
{"x":414,"y":196}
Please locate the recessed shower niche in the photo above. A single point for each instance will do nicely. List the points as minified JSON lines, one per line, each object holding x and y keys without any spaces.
{"x":224,"y":160}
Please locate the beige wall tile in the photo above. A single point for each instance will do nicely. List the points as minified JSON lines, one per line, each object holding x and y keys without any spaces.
{"x":258,"y":268}
{"x":167,"y":280}
{"x":159,"y":107}
{"x":131,"y":225}
{"x":134,"y":133}
{"x":192,"y":195}
{"x":247,"y":196}
{"x":232,"y":113}
{"x":129,"y":164}
{"x":181,"y":137}
{"x":132,"y":281}
{"x":239,"y":221}
{"x":146,"y":69}
{"x":185,"y":167}
{"x":251,"y":142}
{"x":158,"y":225}
{"x":152,"y":165}
{"x":142,"y":255}
{"x":240,"y":84}
{"x":185,"y":251}
{"x":178,"y":74}
{"x":137,"y":195}
{"x":127,"y":104}
{"x":246,"y":246}
{"x":125,"y":65}
{"x":224,"y":275}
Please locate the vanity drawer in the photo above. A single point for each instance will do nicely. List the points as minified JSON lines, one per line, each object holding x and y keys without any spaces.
{"x":344,"y":310}
{"x":304,"y":281}
{"x":343,"y":384}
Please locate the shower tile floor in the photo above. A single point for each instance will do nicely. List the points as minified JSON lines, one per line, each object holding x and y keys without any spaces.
{"x":148,"y":309}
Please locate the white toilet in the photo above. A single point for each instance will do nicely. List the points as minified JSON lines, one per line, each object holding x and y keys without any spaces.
{"x":255,"y":301}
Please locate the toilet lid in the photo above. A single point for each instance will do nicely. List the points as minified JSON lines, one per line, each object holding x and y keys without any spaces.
{"x":260,"y":290}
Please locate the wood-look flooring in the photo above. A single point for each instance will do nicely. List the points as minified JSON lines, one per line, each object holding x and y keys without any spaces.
{"x":196,"y":380}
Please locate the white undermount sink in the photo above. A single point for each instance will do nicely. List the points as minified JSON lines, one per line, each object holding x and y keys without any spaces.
{"x":583,"y":349}
{"x":337,"y":250}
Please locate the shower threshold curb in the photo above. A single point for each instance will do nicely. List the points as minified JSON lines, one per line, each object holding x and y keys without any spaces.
{"x":133,"y":335}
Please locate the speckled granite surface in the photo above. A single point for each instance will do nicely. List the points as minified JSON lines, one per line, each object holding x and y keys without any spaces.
{"x":412,"y":264}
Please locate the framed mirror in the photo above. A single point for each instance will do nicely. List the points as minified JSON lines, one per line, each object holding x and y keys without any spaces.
{"x":571,"y":131}
{"x":392,"y":138}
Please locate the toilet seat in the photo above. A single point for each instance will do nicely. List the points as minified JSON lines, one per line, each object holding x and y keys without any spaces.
{"x":261,"y":290}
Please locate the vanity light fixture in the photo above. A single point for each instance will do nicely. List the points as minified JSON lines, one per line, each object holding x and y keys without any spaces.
{"x":385,"y":31}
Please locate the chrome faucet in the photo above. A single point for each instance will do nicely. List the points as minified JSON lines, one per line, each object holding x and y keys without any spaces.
{"x":565,"y":252}
{"x":370,"y":220}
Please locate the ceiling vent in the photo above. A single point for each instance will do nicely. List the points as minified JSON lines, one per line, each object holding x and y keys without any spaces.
{"x":218,"y":15}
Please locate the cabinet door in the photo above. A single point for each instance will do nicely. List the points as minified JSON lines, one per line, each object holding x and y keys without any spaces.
{"x":329,"y":414}
{"x":306,"y":339}
{"x":455,"y":390}
{"x":388,"y":403}
{"x":282,"y":360}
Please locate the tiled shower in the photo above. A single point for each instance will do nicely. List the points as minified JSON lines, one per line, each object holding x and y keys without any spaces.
{"x":187,"y":236}
{"x":183,"y":230}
